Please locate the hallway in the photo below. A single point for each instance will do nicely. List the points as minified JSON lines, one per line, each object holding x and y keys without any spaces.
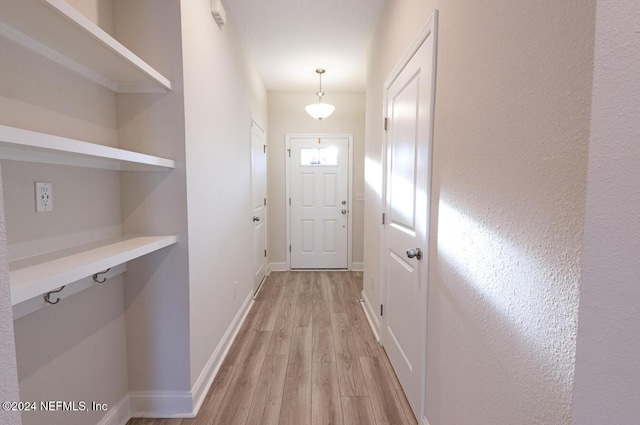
{"x":304,"y":355}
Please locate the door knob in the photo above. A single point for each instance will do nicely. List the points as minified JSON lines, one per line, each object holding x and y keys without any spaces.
{"x":256,"y":218}
{"x":344,"y":211}
{"x":414,"y":253}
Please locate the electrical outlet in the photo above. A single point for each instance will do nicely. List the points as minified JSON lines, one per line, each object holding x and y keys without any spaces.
{"x":235,"y":289}
{"x":44,"y":197}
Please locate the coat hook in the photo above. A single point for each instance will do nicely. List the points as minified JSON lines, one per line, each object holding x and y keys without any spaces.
{"x":48,"y":296}
{"x":95,"y":276}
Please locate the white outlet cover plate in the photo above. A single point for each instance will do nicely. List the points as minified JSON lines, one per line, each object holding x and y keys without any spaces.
{"x":359,"y":196}
{"x":44,"y":197}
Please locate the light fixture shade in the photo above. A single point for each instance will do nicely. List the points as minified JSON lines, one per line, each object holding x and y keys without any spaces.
{"x":320,"y":110}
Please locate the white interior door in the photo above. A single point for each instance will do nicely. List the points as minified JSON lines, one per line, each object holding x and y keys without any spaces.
{"x":319,"y":187}
{"x":258,"y":204}
{"x":405,"y":248}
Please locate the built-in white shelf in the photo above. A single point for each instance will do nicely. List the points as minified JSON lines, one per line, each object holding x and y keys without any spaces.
{"x":24,"y":145}
{"x":56,"y":30}
{"x":35,"y":276}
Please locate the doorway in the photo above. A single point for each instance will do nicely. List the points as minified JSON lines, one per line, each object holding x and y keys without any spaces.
{"x":319,"y":201}
{"x":409,"y":102}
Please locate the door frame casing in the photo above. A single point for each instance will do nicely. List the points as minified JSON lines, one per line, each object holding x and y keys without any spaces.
{"x":287,"y":151}
{"x":430,"y":28}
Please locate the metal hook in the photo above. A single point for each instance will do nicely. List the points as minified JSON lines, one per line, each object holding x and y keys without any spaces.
{"x":95,"y":276}
{"x":48,"y":296}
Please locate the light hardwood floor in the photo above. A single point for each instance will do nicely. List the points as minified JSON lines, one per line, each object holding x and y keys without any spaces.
{"x":305,"y":355}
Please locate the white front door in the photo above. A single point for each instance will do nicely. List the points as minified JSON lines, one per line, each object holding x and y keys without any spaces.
{"x":407,"y":198}
{"x":258,"y":204}
{"x":319,"y":187}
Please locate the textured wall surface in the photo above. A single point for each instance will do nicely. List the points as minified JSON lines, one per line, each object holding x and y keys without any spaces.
{"x":287,"y":115}
{"x":512,"y":117}
{"x":607,"y":381}
{"x":8,"y":367}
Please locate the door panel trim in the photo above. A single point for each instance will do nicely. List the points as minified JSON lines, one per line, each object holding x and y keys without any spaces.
{"x":350,"y":199}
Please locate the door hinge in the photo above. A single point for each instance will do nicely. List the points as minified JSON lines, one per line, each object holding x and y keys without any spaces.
{"x":265,"y":253}
{"x":381,"y":310}
{"x":385,"y":124}
{"x":265,"y":202}
{"x":289,"y":248}
{"x":264,"y":148}
{"x":289,"y":201}
{"x":384,"y":216}
{"x":289,"y":150}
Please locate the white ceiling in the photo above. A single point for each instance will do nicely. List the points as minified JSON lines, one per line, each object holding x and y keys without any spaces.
{"x":289,"y":39}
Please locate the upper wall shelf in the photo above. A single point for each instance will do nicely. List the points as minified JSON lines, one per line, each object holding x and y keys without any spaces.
{"x":24,"y":145}
{"x":59,"y":32}
{"x":33,"y":277}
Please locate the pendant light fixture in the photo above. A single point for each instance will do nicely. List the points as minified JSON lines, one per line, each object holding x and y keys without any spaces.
{"x":320,"y":110}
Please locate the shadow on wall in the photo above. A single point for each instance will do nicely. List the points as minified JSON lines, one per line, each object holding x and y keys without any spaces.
{"x":513,"y":324}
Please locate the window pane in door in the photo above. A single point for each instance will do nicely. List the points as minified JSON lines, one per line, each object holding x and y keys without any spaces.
{"x":318,"y":156}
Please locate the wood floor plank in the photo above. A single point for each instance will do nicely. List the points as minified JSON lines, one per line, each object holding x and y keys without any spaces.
{"x":237,"y":401}
{"x":349,"y":369}
{"x":267,"y":320}
{"x":336,"y":282}
{"x":384,"y":401}
{"x":323,"y":347}
{"x":319,"y":283}
{"x":281,"y":337}
{"x":357,"y":411}
{"x":211,"y":405}
{"x":283,"y":277}
{"x":366,"y":342}
{"x":304,"y":307}
{"x":296,"y":399}
{"x":321,"y":314}
{"x":267,"y":399}
{"x":237,"y":347}
{"x":326,"y":407}
{"x":296,"y":403}
{"x":267,"y":288}
{"x":353,"y":289}
{"x":390,"y":372}
{"x":321,"y":310}
{"x":301,"y":346}
{"x":406,"y":408}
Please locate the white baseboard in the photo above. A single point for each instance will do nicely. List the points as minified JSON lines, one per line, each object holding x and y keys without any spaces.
{"x":277,"y":267}
{"x":357,"y":266}
{"x":161,"y":404}
{"x":204,"y":381}
{"x":119,"y":414}
{"x":186,"y":404}
{"x":372,"y":317}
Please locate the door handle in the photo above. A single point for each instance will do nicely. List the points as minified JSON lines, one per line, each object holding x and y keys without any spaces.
{"x":256,"y":218}
{"x":414,"y":253}
{"x":344,"y":211}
